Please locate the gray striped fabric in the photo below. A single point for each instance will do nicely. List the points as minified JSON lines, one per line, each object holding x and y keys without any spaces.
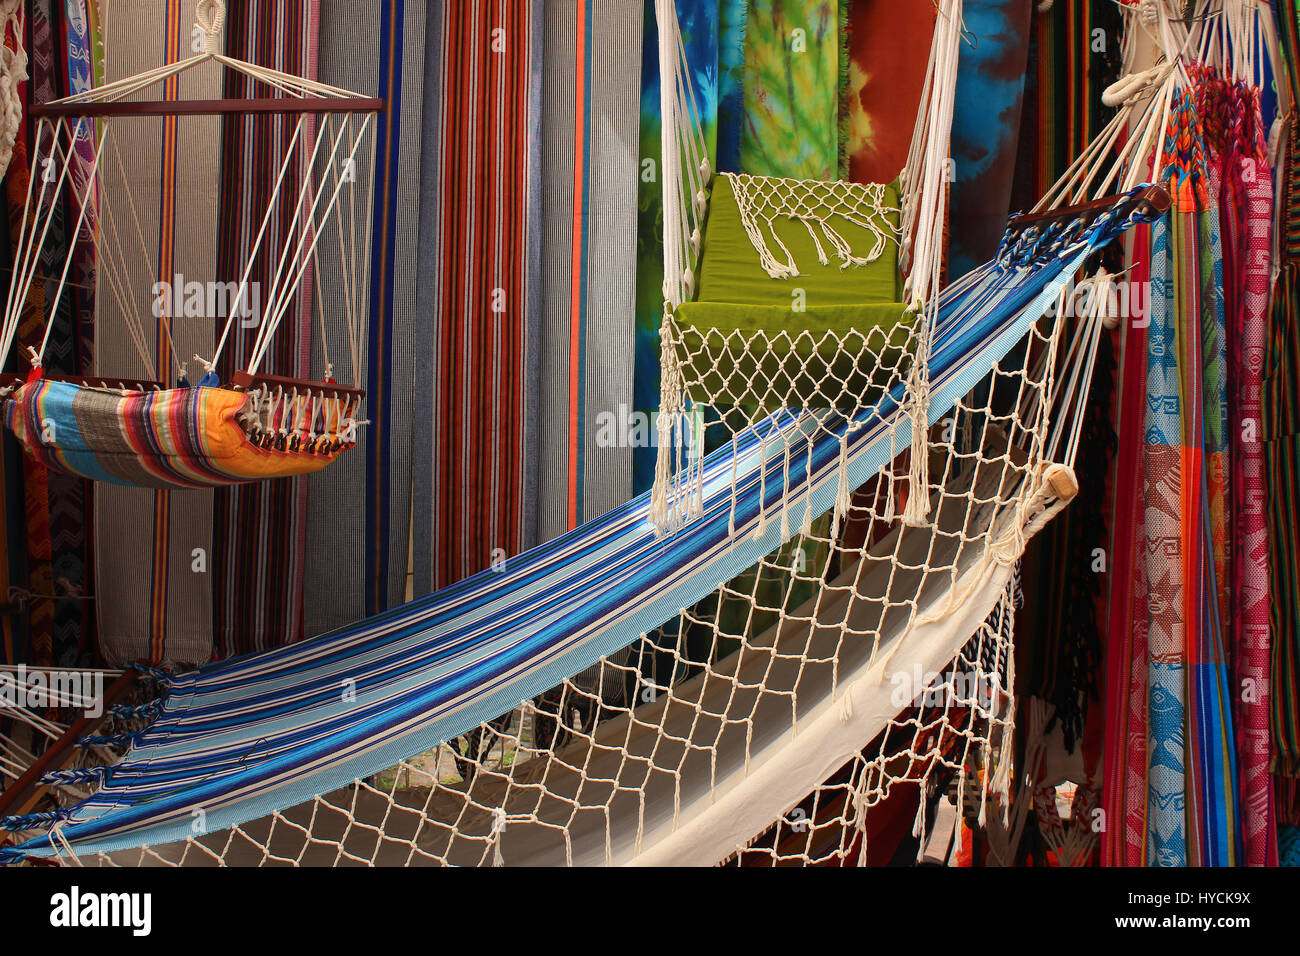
{"x":129,"y":554}
{"x":613,"y":56}
{"x":339,"y":535}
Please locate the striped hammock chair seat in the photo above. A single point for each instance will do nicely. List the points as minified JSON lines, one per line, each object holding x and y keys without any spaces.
{"x":138,"y":433}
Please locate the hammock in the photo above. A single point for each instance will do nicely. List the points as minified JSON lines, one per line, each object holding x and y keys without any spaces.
{"x":160,"y":430}
{"x":242,"y":738}
{"x":665,"y":683}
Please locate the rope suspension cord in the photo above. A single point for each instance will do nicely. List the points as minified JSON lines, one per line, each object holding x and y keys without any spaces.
{"x":302,"y":258}
{"x":28,"y":252}
{"x":85,"y":203}
{"x":923,"y":224}
{"x":241,"y":292}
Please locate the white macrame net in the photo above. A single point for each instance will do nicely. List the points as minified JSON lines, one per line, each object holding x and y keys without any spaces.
{"x":820,"y":206}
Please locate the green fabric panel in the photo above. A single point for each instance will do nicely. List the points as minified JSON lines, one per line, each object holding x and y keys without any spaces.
{"x":832,"y":357}
{"x":729,"y":269}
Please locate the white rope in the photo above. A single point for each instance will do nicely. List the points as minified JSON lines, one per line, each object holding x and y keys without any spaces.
{"x":13,"y":72}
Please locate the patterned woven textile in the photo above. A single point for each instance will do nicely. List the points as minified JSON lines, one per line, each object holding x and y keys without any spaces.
{"x":1193,"y":812}
{"x":1281,"y":431}
{"x":1237,"y":158}
{"x":172,"y":438}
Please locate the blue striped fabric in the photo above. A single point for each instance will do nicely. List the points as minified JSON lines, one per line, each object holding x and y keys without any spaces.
{"x":247,"y":736}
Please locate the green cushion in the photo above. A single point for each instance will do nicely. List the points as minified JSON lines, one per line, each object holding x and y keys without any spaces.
{"x":729,"y":269}
{"x":836,"y":356}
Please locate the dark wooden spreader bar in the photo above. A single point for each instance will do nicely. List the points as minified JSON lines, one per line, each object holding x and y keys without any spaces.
{"x":243,"y":380}
{"x":269,"y":104}
{"x":1154,"y":196}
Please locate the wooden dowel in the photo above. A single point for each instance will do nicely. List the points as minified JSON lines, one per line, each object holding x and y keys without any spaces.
{"x":1155,"y":196}
{"x":269,"y":104}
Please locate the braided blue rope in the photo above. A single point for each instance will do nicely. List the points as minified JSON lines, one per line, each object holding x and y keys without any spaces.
{"x":111,"y":740}
{"x":31,"y":821}
{"x":147,"y":711}
{"x":75,"y":775}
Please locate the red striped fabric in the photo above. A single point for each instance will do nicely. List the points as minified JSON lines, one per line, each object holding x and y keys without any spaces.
{"x":482,"y":271}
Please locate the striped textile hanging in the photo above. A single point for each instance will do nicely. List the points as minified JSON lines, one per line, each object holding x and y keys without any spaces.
{"x":259,"y":529}
{"x":157,"y":606}
{"x":590,"y":169}
{"x":1193,"y":812}
{"x":1124,"y":770}
{"x":34,"y":487}
{"x":1075,"y":55}
{"x":699,"y":22}
{"x":359,"y":510}
{"x":476,"y":452}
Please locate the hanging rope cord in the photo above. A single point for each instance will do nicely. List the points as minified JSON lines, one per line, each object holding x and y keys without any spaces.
{"x":924,"y":220}
{"x":291,"y":268}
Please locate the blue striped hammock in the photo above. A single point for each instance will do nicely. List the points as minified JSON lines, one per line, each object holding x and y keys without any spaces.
{"x":245,"y":737}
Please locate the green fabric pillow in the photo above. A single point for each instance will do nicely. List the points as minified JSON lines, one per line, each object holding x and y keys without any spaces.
{"x":729,"y":269}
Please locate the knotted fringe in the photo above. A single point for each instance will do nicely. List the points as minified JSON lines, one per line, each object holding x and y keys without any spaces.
{"x":844,"y":494}
{"x":678,"y":492}
{"x":917,"y":511}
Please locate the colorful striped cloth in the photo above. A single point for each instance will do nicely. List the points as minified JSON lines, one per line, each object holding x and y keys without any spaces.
{"x":1194,"y":817}
{"x":358,"y":516}
{"x":249,"y":618}
{"x":156,"y":607}
{"x":1281,"y":434}
{"x":1238,"y":162}
{"x":1124,"y":771}
{"x":476,"y":453}
{"x":170,"y":438}
{"x":590,"y":169}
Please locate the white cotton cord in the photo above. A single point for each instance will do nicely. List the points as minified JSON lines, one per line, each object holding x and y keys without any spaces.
{"x":844,"y":493}
{"x":498,"y":827}
{"x":210,"y":15}
{"x":85,"y":202}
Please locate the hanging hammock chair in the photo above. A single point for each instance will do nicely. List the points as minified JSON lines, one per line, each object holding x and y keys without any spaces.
{"x":160,"y":430}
